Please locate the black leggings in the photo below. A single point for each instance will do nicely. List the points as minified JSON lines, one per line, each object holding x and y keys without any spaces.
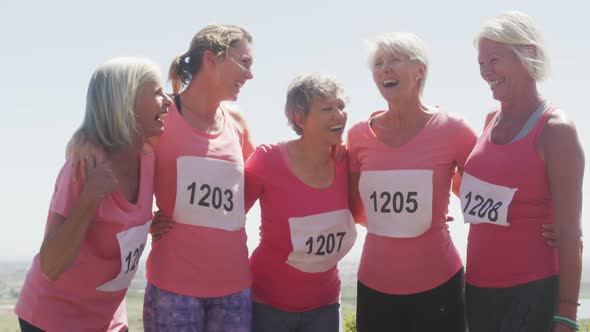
{"x":439,"y":309}
{"x":525,"y":308}
{"x":28,"y":327}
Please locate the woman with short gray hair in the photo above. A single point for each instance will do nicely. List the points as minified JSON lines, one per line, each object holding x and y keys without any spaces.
{"x":306,"y":224}
{"x":97,"y":227}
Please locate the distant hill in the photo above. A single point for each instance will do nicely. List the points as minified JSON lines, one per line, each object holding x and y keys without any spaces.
{"x":12,"y":274}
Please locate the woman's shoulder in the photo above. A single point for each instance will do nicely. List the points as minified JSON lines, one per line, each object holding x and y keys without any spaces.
{"x":452,"y":121}
{"x":235,"y":115}
{"x":559,"y":126}
{"x":362,"y":126}
{"x":266,"y":152}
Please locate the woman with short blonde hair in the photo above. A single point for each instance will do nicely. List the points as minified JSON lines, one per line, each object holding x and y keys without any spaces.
{"x":526,"y":170}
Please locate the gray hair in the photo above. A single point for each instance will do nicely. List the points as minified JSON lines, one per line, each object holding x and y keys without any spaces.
{"x":402,"y":43}
{"x":523,"y":35}
{"x":306,"y":89}
{"x":110,"y":101}
{"x":217,"y":38}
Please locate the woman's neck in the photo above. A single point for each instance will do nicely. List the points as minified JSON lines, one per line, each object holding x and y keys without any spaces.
{"x":523,"y":104}
{"x":200,"y":106}
{"x":200,"y":99}
{"x":311,"y":153}
{"x":405,"y":114}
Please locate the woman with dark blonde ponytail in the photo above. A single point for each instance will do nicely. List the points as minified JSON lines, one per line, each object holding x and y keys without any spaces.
{"x":198,"y":272}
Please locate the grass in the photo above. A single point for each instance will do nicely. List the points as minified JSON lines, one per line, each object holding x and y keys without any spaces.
{"x":134,"y":301}
{"x":9,"y":321}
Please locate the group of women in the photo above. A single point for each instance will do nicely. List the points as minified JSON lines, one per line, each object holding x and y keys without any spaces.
{"x":401,"y":165}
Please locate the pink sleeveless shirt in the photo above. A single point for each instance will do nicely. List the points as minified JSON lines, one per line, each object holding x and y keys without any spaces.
{"x":505,"y":196}
{"x":200,"y":184}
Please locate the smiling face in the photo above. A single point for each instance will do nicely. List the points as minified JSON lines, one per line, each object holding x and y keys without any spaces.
{"x":235,"y":70}
{"x":325,"y":120}
{"x":501,"y":68}
{"x":151,"y":105}
{"x":396,"y":76}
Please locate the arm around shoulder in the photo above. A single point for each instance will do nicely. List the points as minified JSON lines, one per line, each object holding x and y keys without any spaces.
{"x":355,"y":202}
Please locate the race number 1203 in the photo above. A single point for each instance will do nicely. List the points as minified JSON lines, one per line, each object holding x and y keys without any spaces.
{"x":212,"y":196}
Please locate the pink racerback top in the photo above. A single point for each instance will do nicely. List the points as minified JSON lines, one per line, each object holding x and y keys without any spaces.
{"x":505,"y":256}
{"x":200,"y":184}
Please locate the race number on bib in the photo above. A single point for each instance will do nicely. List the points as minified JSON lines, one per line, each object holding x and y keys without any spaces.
{"x":321,"y":240}
{"x":209,"y":193}
{"x":398,"y":203}
{"x":131,"y":243}
{"x":484,"y":202}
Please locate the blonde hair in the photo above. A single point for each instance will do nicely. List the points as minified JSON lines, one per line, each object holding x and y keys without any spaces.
{"x":110,"y":101}
{"x":523,"y":35}
{"x":217,"y":38}
{"x":402,"y":43}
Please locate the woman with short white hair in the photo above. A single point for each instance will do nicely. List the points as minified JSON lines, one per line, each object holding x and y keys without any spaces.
{"x":402,"y":162}
{"x":526,"y":170}
{"x":97,"y":227}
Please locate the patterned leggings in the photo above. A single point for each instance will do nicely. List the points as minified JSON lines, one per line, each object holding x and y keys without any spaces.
{"x":167,"y":311}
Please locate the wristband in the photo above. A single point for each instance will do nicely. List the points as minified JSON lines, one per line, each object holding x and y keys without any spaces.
{"x":572,"y":324}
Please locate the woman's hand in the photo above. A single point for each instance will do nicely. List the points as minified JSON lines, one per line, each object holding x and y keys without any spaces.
{"x":100,"y":181}
{"x":160,"y":225}
{"x":550,"y":235}
{"x":84,"y":153}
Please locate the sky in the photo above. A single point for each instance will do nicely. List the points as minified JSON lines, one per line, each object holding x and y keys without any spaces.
{"x":50,"y":49}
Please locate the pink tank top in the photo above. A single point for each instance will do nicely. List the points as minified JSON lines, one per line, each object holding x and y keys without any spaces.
{"x":89,"y":295}
{"x":405,"y":192}
{"x":200,"y":184}
{"x":505,"y":196}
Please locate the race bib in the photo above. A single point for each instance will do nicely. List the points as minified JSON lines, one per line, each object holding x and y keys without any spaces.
{"x":131,"y":243}
{"x":209,"y":193}
{"x":321,"y":240}
{"x":484,"y":202}
{"x":398,"y":203}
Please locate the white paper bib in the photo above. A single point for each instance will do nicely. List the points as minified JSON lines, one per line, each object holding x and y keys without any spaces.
{"x":209,"y":193}
{"x":131,"y":243}
{"x":321,"y":240}
{"x":398,"y":203}
{"x":484,"y":202}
